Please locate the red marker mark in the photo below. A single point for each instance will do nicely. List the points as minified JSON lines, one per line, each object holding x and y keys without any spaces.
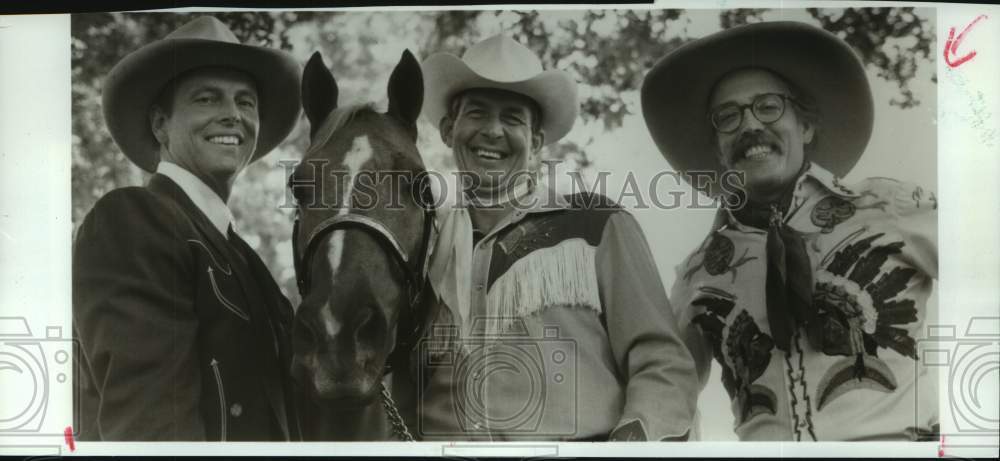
{"x":951,"y":45}
{"x":68,"y":433}
{"x":941,"y":447}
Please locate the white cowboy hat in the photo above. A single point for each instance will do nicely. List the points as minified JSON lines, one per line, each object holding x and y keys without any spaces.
{"x":675,"y":93}
{"x":502,"y":63}
{"x":135,"y":82}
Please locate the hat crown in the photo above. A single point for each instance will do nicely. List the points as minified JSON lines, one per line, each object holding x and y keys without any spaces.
{"x":204,"y":28}
{"x":502,"y":59}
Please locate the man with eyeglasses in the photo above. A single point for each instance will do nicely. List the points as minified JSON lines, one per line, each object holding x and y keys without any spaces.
{"x":809,"y":293}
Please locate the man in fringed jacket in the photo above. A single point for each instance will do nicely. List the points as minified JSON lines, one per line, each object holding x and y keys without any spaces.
{"x":554,"y":323}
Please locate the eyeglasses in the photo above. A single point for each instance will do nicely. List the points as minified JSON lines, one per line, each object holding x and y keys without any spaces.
{"x":767,"y":108}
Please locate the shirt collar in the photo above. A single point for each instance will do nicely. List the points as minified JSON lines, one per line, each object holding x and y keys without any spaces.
{"x":203,"y":197}
{"x":543,"y":198}
{"x":815,"y":179}
{"x":819,"y":176}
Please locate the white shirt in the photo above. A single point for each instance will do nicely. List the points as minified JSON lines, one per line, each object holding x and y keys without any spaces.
{"x":203,"y":196}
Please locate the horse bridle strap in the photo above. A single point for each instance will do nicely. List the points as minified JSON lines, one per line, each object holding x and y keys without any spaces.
{"x":340,"y":222}
{"x":344,"y":220}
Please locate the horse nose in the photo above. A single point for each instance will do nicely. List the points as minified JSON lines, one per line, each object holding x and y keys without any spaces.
{"x":322,"y":329}
{"x":366,"y":324}
{"x":304,"y":335}
{"x":325,"y":330}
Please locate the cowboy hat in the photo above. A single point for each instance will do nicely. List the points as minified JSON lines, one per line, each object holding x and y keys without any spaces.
{"x":676,"y":92}
{"x":500,"y":62}
{"x":133,"y":84}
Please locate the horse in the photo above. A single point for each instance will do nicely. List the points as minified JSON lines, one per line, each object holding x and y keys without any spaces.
{"x":361,"y":246}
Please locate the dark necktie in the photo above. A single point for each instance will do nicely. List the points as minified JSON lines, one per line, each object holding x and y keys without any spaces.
{"x":788,"y":289}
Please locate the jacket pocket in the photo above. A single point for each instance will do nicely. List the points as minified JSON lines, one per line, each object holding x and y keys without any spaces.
{"x":222,"y":397}
{"x":223,"y":300}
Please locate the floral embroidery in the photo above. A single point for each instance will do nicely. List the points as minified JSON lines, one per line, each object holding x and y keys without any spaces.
{"x":749,"y":349}
{"x":830,"y":212}
{"x":746,"y":356}
{"x":718,"y":304}
{"x":718,"y":257}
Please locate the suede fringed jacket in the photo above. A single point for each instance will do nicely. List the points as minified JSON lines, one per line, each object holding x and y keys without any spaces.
{"x":568,"y":336}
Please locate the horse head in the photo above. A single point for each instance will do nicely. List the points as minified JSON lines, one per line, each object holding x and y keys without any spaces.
{"x":361,"y":234}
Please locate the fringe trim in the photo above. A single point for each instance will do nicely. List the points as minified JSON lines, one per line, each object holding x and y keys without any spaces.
{"x":560,"y":275}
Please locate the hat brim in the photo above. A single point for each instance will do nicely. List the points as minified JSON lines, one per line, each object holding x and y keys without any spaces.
{"x":445,"y":76}
{"x":134,"y":83}
{"x":676,"y":92}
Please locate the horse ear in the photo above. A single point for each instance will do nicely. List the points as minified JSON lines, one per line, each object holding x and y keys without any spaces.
{"x":319,"y":92}
{"x":406,"y":89}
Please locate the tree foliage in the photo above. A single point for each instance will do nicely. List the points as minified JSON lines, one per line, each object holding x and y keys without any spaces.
{"x":890,"y":39}
{"x":607,"y":51}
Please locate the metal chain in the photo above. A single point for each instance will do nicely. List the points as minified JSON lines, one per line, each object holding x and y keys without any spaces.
{"x":399,"y":428}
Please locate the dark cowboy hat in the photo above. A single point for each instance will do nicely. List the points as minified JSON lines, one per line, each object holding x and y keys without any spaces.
{"x":676,"y":92}
{"x":135,"y":82}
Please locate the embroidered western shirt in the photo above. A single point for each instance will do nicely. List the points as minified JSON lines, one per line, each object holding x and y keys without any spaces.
{"x":855,"y":373}
{"x":571,"y":335}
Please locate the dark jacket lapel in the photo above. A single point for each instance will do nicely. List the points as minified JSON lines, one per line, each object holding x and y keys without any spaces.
{"x":239,"y":260}
{"x":164,"y":186}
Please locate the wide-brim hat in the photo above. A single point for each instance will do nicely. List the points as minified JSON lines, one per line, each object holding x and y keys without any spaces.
{"x":676,"y":92}
{"x":500,"y":62}
{"x":134,"y":83}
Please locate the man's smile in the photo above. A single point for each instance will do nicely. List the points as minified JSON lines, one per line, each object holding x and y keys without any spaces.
{"x":756,"y":147}
{"x":756,"y":152}
{"x":226,"y":140}
{"x":488,"y":154}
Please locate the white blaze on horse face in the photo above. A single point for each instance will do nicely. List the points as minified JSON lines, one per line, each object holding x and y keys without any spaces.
{"x":330,"y":323}
{"x":360,"y":154}
{"x":336,"y":251}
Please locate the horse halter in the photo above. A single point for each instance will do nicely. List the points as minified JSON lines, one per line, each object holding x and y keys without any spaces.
{"x":415,"y":281}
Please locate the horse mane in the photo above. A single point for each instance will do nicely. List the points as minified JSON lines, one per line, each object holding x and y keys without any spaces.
{"x":336,"y":120}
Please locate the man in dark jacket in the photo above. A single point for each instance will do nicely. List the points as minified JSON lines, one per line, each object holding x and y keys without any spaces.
{"x":183,"y":332}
